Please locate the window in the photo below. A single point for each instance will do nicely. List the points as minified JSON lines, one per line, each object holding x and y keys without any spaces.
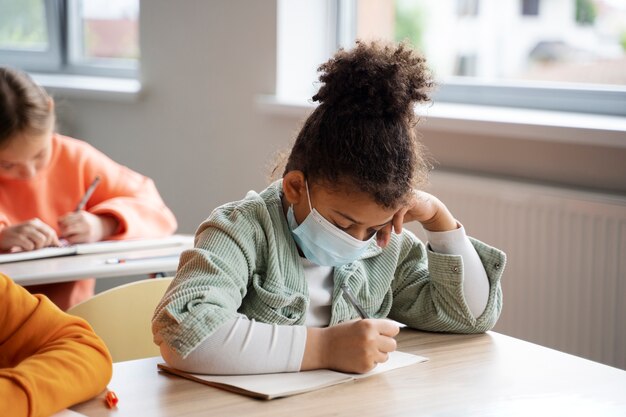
{"x":30,"y":36}
{"x":466,"y":65}
{"x":570,"y":56}
{"x":92,"y":37}
{"x":467,"y":7}
{"x":530,"y":7}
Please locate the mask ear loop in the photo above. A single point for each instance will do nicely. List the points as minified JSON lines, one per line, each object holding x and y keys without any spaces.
{"x":308,"y":195}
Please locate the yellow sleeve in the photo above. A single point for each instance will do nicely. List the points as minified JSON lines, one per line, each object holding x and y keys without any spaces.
{"x":49,"y":360}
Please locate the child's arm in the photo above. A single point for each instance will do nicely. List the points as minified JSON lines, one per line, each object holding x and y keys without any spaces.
{"x":428,"y":288}
{"x":424,"y":208}
{"x":30,"y":235}
{"x":133,"y":204}
{"x":49,"y":360}
{"x":242,"y":346}
{"x":82,"y":226}
{"x":130,"y":200}
{"x":355,"y":346}
{"x":192,"y":326}
{"x":475,"y":280}
{"x":447,"y":237}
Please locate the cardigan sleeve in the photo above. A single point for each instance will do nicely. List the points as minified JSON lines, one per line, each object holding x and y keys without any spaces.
{"x":210,"y":283}
{"x":49,"y":360}
{"x":428,"y":289}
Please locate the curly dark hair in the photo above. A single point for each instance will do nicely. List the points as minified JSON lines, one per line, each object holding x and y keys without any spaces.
{"x":362,"y":134}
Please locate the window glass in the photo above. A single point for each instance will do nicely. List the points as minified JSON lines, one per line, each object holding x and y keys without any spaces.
{"x":23,"y":25}
{"x":557,"y":41}
{"x":105,"y":32}
{"x":530,"y":7}
{"x":88,"y":37}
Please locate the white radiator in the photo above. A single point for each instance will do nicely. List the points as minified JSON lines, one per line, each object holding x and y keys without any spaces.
{"x":565,"y":280}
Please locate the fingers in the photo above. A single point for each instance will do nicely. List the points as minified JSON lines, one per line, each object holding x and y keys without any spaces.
{"x":356,"y":346}
{"x":380,"y":338}
{"x":40,"y":234}
{"x":69,"y":219}
{"x":387,"y":344}
{"x":23,"y":242}
{"x":383,"y":236}
{"x":73,"y":226}
{"x":30,"y":235}
{"x":382,"y":357}
{"x":82,"y":226}
{"x":398,"y":220}
{"x":388,"y":328}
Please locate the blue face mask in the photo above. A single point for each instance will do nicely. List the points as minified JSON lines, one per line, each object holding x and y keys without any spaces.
{"x":321,"y":242}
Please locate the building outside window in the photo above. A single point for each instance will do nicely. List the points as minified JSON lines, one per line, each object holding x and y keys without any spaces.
{"x":574,"y":47}
{"x":530,"y":7}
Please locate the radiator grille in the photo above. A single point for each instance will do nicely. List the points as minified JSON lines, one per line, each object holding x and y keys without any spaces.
{"x":565,"y":282}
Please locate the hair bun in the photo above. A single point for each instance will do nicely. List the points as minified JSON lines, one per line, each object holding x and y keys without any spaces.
{"x":374,"y":80}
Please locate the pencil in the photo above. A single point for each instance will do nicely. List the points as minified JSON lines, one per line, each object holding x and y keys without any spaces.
{"x":347,"y":294}
{"x":83,"y":202}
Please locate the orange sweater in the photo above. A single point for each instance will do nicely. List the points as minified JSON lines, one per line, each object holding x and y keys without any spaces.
{"x":49,"y":360}
{"x":56,"y":190}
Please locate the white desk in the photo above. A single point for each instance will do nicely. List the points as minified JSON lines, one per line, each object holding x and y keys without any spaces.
{"x":68,"y":268}
{"x":481,"y":375}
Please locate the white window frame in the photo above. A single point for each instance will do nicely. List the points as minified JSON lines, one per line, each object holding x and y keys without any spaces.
{"x":124,"y":68}
{"x":339,"y":17}
{"x":60,"y":57}
{"x":49,"y":60}
{"x":304,"y":42}
{"x":537,"y":95}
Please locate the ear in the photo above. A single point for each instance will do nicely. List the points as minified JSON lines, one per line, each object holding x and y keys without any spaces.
{"x":50,"y":104}
{"x":294,"y":187}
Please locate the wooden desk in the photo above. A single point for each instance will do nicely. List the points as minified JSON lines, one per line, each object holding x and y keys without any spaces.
{"x":467,"y":375}
{"x":67,"y":268}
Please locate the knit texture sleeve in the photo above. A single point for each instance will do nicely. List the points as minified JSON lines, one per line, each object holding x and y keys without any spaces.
{"x":49,"y":360}
{"x":475,"y":281}
{"x":428,"y":289}
{"x":210,"y":283}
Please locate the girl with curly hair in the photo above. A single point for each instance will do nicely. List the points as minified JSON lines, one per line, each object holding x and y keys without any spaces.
{"x":262,"y":289}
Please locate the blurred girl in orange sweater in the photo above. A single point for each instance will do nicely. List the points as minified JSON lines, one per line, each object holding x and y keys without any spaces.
{"x":49,"y":360}
{"x":44,"y":175}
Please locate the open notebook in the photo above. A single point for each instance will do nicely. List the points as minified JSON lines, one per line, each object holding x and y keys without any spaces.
{"x":270,"y":386}
{"x":96,"y":247}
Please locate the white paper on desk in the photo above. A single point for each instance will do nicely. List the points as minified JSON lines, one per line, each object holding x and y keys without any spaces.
{"x":37,"y":254}
{"x":270,"y":386}
{"x":93,"y":248}
{"x":130,"y":244}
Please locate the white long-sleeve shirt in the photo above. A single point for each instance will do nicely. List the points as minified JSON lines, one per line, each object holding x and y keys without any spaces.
{"x":245,"y":346}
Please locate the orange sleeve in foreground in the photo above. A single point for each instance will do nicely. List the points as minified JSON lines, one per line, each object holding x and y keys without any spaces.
{"x":49,"y":360}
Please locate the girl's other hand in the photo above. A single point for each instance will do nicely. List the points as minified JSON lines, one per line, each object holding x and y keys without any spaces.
{"x":424,"y":208}
{"x":84,"y":227}
{"x":355,"y":346}
{"x":30,"y":235}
